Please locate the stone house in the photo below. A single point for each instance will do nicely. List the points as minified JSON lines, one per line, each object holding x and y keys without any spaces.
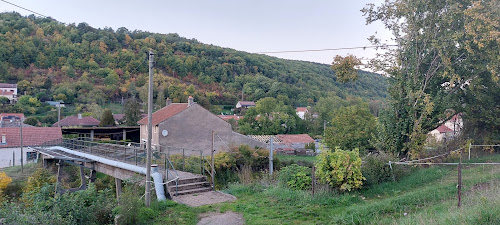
{"x":189,"y":126}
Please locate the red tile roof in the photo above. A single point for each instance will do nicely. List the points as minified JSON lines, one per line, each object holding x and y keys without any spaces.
{"x":20,"y":115}
{"x":4,"y":85}
{"x":74,"y":121}
{"x":228,"y":117}
{"x":165,"y":113}
{"x":444,"y":129}
{"x":301,"y":109}
{"x":32,"y":136}
{"x":295,"y":138}
{"x":118,"y":116}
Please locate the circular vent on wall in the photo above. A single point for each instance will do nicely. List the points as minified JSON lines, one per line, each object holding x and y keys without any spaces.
{"x":164,"y":133}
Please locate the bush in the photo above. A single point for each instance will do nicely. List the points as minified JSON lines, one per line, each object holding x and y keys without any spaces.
{"x":296,"y":177}
{"x":340,"y":169}
{"x":376,"y":169}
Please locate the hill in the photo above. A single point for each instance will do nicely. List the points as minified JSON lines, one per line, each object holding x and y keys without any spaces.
{"x":81,"y":64}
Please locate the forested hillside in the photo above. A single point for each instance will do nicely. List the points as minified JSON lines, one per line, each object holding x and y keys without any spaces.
{"x":81,"y":64}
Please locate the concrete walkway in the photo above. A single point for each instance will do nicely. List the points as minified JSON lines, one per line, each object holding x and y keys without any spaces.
{"x":204,"y":198}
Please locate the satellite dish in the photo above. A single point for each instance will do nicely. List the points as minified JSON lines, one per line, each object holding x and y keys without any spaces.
{"x":164,"y":133}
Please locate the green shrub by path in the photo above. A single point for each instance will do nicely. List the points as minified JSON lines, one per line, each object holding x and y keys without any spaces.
{"x":376,"y":169}
{"x":296,"y":177}
{"x":340,"y":169}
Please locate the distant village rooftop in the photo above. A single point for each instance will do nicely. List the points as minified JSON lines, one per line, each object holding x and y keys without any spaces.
{"x":79,"y":121}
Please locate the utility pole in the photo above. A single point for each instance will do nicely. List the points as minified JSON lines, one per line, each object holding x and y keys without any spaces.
{"x":271,"y":156}
{"x":59,"y":114}
{"x":150,"y":130}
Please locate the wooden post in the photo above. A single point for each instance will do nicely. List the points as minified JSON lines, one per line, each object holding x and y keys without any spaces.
{"x":118,"y":184}
{"x":460,"y":181}
{"x":13,"y":158}
{"x":213,"y":169}
{"x":313,"y":179}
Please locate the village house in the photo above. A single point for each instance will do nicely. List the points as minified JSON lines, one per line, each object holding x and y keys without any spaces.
{"x":189,"y":126}
{"x":301,"y":112}
{"x":77,"y":121}
{"x":244,"y":104}
{"x":448,"y":130}
{"x":12,"y":120}
{"x":9,"y":91}
{"x":228,"y":117}
{"x":10,"y":143}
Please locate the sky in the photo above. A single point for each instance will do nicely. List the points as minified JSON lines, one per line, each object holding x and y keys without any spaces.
{"x":253,"y":26}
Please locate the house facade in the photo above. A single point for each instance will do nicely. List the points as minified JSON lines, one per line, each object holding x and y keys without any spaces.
{"x":301,"y":112}
{"x":448,"y":130}
{"x":9,"y":91}
{"x":189,"y":126}
{"x":10,"y":143}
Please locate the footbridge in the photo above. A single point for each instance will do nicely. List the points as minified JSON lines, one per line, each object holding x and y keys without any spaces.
{"x":127,"y":161}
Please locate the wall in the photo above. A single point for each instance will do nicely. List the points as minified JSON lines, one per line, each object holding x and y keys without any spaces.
{"x":6,"y":156}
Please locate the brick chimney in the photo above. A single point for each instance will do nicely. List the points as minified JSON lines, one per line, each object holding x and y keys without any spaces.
{"x":169,"y":101}
{"x":4,"y":138}
{"x":79,"y":116}
{"x":190,"y":101}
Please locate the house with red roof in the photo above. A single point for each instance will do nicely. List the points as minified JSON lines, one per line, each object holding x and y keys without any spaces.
{"x":10,"y":143}
{"x":9,"y":91}
{"x":301,"y":112}
{"x":448,"y":130}
{"x":189,"y":126}
{"x":77,"y":121}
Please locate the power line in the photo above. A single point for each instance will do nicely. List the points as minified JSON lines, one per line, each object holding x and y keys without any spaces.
{"x":326,"y":49}
{"x":29,"y":10}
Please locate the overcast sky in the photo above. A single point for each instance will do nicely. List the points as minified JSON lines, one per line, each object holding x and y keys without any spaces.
{"x":252,"y":26}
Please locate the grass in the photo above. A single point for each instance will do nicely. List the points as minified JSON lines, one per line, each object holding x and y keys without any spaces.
{"x":296,"y":158}
{"x":426,"y":196}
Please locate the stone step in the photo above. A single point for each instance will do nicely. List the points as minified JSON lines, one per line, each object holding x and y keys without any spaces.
{"x":192,"y":191}
{"x":184,"y":187}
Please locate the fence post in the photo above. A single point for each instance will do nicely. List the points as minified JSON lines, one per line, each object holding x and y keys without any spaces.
{"x":271,"y":157}
{"x":313,"y":179}
{"x":201,"y":162}
{"x":213,"y":161}
{"x":183,"y":160}
{"x":460,"y":181}
{"x":469,"y":150}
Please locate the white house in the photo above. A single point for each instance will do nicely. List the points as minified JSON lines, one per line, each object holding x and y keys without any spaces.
{"x":9,"y":91}
{"x":301,"y":112}
{"x":449,"y":129}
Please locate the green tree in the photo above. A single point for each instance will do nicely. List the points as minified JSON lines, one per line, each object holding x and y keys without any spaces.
{"x":33,"y":121}
{"x":4,"y":100}
{"x":351,"y":127}
{"x":132,"y":111}
{"x":107,"y":119}
{"x":345,"y":68}
{"x":444,"y":50}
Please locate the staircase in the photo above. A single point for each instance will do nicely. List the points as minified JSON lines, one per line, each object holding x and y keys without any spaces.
{"x":188,"y":186}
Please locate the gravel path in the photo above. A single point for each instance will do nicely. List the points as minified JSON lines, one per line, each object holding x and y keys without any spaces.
{"x":227,"y":218}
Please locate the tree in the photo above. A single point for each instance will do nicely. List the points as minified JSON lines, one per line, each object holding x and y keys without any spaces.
{"x":345,"y":68}
{"x":4,"y":100}
{"x":33,"y":121}
{"x":132,"y":112}
{"x":443,"y":49}
{"x":107,"y":119}
{"x":351,"y":127}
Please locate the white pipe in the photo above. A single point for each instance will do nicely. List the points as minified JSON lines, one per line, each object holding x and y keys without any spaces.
{"x":160,"y":192}
{"x":158,"y":179}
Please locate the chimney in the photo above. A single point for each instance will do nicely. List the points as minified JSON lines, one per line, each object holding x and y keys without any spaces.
{"x":79,"y":116}
{"x":169,"y":101}
{"x":4,"y":138}
{"x":190,"y":101}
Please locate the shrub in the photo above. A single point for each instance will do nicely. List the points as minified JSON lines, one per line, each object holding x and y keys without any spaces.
{"x":376,"y":169}
{"x":340,"y":169}
{"x":296,"y":177}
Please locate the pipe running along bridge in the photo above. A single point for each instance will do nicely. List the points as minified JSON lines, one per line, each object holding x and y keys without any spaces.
{"x":126,"y":161}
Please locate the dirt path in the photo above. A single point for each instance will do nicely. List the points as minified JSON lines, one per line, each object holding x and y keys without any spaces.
{"x":227,"y":218}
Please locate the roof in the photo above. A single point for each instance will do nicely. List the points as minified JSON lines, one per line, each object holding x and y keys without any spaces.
{"x":228,"y":117}
{"x":4,"y":85}
{"x":165,"y":113}
{"x":444,"y":129}
{"x":32,"y":136}
{"x":247,"y":103}
{"x":74,"y":121}
{"x":301,"y":109}
{"x":265,"y":138}
{"x":118,"y":117}
{"x":295,"y":138}
{"x":8,"y":116}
